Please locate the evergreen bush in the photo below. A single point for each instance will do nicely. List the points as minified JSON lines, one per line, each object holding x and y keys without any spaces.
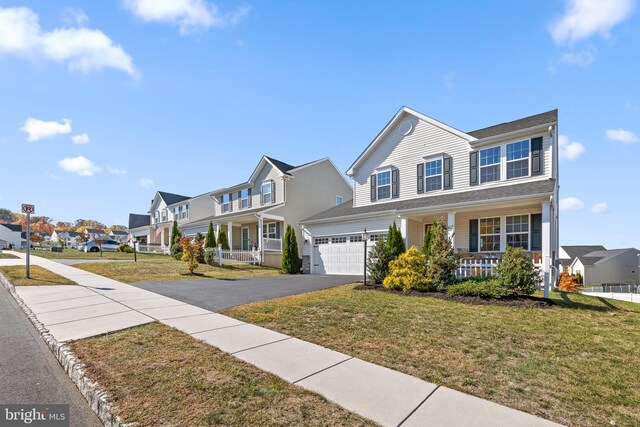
{"x":223,"y":242}
{"x":378,"y":269}
{"x":517,"y":273}
{"x":291,"y":262}
{"x":442,"y":262}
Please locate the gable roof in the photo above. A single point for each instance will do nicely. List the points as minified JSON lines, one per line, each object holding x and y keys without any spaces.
{"x":581,"y":250}
{"x":119,"y":233}
{"x":281,"y":166}
{"x":522,"y":190}
{"x":516,"y":125}
{"x":13,"y":227}
{"x":73,"y":233}
{"x":94,"y":231}
{"x":170,"y":198}
{"x":394,"y":120}
{"x":596,"y":257}
{"x":138,"y":220}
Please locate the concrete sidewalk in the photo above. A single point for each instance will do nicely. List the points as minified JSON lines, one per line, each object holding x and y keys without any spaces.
{"x":100,"y":305}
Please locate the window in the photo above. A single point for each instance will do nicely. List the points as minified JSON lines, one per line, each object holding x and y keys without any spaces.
{"x":269,"y":231}
{"x":176,"y":215}
{"x":164,"y":215}
{"x":518,"y":231}
{"x":225,"y":203}
{"x":179,"y":216}
{"x":341,"y":239}
{"x":266,"y":192}
{"x":156,"y":217}
{"x":518,"y":159}
{"x":433,"y":175}
{"x":321,"y":241}
{"x":384,"y":184}
{"x":375,"y":237}
{"x":490,"y":164}
{"x":338,"y":200}
{"x":185,"y":213}
{"x":490,"y":234}
{"x":244,"y":198}
{"x":355,"y":239}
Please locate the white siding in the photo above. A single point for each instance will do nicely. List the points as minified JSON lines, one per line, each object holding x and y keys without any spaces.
{"x":405,"y":152}
{"x":377,"y":225}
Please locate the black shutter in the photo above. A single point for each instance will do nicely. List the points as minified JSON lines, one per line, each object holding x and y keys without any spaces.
{"x":395,"y":184}
{"x":473,"y":235}
{"x":230,"y":202}
{"x":273,"y":191}
{"x":446,"y":173}
{"x":261,"y":195}
{"x":374,"y":188}
{"x":420,"y":178}
{"x":537,"y":165}
{"x":536,"y":232}
{"x":473,"y":168}
{"x":249,"y":202}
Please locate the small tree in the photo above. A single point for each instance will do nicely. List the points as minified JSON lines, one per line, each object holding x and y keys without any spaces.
{"x":100,"y":240}
{"x":291,"y":262}
{"x":175,"y":248}
{"x":426,"y":246}
{"x":442,"y":261}
{"x":569,"y":283}
{"x":84,"y":238}
{"x":517,"y":273}
{"x":378,"y":269}
{"x":408,"y":272}
{"x":210,"y":239}
{"x":395,"y":243}
{"x":223,"y":242}
{"x":36,"y":238}
{"x":191,"y":251}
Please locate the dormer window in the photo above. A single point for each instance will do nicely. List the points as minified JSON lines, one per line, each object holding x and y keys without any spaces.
{"x":267,"y":192}
{"x":384,"y":184}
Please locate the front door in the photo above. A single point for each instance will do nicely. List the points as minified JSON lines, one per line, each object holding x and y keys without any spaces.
{"x":245,"y":238}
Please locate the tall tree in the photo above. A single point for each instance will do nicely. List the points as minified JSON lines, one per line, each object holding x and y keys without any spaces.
{"x":291,"y":262}
{"x":210,"y":239}
{"x":223,"y":242}
{"x":395,"y":243}
{"x":175,"y":234}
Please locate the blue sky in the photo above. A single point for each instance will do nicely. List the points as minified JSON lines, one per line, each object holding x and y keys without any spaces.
{"x":186,"y":96}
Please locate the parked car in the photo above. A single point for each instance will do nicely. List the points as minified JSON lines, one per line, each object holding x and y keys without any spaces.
{"x":109,"y":246}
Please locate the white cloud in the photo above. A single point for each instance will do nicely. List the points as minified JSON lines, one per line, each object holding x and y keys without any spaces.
{"x":74,"y":16}
{"x":82,"y":138}
{"x":569,"y":150}
{"x":571,"y":204}
{"x":621,"y":135}
{"x":188,"y":15}
{"x":146,"y":182}
{"x":600,"y":207}
{"x":83,"y":49}
{"x":79,"y":165}
{"x":38,"y":129}
{"x":585,"y":18}
{"x":580,"y":59}
{"x":116,"y":171}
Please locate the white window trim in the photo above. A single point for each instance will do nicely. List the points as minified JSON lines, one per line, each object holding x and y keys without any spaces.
{"x":266,"y":235}
{"x":503,"y":161}
{"x":270,"y":193}
{"x":434,"y":159}
{"x":378,"y":186}
{"x":185,"y":211}
{"x":499,"y":163}
{"x":500,"y":234}
{"x":506,"y":162}
{"x":226,"y":205}
{"x":244,"y":199}
{"x":338,"y":197}
{"x":528,"y":233}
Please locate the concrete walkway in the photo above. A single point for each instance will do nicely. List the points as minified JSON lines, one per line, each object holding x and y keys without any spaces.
{"x":100,"y":305}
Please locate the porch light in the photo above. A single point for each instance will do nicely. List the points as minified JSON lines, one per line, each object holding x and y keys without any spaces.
{"x":365,"y":236}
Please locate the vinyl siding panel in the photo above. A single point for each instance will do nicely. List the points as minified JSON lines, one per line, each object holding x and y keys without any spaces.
{"x":373,"y":226}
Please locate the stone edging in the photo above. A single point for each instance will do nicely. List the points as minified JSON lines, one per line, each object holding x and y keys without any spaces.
{"x":72,"y":365}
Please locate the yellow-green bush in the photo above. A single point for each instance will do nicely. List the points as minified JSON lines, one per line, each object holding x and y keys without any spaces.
{"x":407,"y":272}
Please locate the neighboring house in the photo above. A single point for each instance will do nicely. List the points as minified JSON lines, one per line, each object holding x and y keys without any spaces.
{"x":119,"y":236}
{"x":70,"y":238}
{"x":608,"y":267}
{"x":139,"y":227}
{"x":10,"y":234}
{"x":494,"y":187}
{"x":568,"y":253}
{"x":162,"y":217}
{"x":95,"y":233}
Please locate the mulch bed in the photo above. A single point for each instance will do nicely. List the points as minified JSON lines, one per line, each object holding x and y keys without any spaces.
{"x":526,"y":301}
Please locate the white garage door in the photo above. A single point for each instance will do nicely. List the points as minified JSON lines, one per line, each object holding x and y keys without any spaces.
{"x":338,"y":255}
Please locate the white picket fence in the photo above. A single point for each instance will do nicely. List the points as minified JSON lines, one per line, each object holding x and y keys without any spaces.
{"x":236,"y":256}
{"x":154,"y":249}
{"x":477,"y":268}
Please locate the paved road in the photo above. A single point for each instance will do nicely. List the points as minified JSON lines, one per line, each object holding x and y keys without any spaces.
{"x":217,"y":295}
{"x":29,"y":373}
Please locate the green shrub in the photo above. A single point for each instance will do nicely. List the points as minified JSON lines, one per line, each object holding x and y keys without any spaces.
{"x":517,"y":273}
{"x":176,"y":251}
{"x":222,"y":239}
{"x":210,"y":239}
{"x":379,"y":269}
{"x":426,"y":245}
{"x":291,"y":262}
{"x":408,"y":272}
{"x":442,"y":262}
{"x":175,"y":234}
{"x":483,"y":289}
{"x":210,"y":256}
{"x":121,"y":247}
{"x":395,"y":243}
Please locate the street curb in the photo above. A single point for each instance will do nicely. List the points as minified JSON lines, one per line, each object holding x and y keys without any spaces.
{"x":73,"y":366}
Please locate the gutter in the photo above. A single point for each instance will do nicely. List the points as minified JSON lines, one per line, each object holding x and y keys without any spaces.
{"x":502,"y":136}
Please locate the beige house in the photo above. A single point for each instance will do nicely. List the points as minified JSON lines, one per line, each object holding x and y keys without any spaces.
{"x":494,"y":187}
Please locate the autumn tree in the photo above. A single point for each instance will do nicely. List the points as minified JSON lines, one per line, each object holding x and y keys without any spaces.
{"x":63,"y":226}
{"x":191,"y":252}
{"x":36,"y":238}
{"x":569,"y":283}
{"x":100,"y":240}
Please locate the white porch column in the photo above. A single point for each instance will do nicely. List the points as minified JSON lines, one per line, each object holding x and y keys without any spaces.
{"x":230,"y":234}
{"x":546,"y":246}
{"x":260,"y":236}
{"x":162,"y":238}
{"x":403,"y":230}
{"x":451,"y":223}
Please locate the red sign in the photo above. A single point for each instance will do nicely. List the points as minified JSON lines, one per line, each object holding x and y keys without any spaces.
{"x":28,"y":209}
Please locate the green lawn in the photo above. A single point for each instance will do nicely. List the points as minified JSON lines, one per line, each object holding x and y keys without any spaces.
{"x":162,"y":268}
{"x":158,"y":376}
{"x":576,"y":363}
{"x":76,"y":254}
{"x":39,"y":276}
{"x":7,"y":256}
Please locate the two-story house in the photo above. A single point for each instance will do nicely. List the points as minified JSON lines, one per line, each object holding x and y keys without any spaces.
{"x":494,"y":187}
{"x":161,"y":218}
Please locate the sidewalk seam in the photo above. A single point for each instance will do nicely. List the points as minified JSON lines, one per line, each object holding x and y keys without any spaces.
{"x":419,"y":405}
{"x":323,"y":369}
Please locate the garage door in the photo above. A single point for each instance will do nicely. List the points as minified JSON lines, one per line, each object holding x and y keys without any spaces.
{"x":338,"y":255}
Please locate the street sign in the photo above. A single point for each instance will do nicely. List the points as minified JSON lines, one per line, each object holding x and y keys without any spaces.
{"x":28,"y":209}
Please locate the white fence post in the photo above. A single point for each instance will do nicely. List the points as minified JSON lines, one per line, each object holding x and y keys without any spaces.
{"x":219,"y":250}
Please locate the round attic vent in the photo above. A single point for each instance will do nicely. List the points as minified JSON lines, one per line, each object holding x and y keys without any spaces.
{"x":406,"y":127}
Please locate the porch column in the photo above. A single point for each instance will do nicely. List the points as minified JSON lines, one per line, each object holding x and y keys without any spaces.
{"x":403,"y":230}
{"x":260,"y":236}
{"x":230,"y":234}
{"x":162,"y":238}
{"x":451,"y":223}
{"x":546,"y":246}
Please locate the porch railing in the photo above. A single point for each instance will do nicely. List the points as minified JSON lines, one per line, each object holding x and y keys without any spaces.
{"x":483,"y":267}
{"x":272,"y":244}
{"x":154,"y":249}
{"x":235,"y":256}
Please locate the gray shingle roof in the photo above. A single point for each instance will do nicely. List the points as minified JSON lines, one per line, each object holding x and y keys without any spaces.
{"x":13,"y":227}
{"x":524,"y":123}
{"x":427,"y":202}
{"x":119,"y":232}
{"x":594,"y":257}
{"x":581,"y":250}
{"x":170,"y":198}
{"x":282,"y":166}
{"x":138,"y":220}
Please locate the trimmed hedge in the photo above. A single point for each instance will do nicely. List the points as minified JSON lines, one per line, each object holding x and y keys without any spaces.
{"x":481,"y":289}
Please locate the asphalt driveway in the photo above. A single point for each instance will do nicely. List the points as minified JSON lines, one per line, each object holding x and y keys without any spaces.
{"x":217,"y":295}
